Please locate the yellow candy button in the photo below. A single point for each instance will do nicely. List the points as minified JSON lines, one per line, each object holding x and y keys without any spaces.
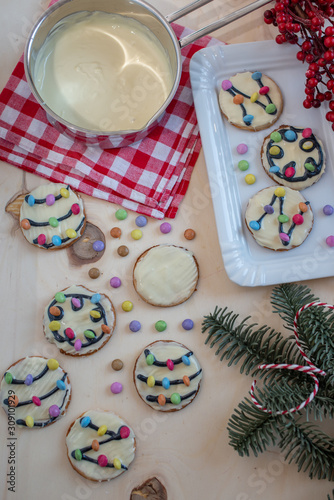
{"x":127,"y":306}
{"x":250,"y":179}
{"x":65,"y":193}
{"x":151,"y":381}
{"x":136,"y":234}
{"x":53,"y":364}
{"x":274,"y":150}
{"x":95,"y":314}
{"x":29,"y":421}
{"x":254,"y":97}
{"x":117,"y":463}
{"x":71,"y":233}
{"x":308,"y":145}
{"x":102,"y":430}
{"x":54,"y":326}
{"x":280,"y":192}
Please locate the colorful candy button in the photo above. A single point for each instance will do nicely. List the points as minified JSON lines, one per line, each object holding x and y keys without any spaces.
{"x":116,"y":387}
{"x":150,"y":359}
{"x":151,"y":381}
{"x":243,"y":165}
{"x":165,"y":227}
{"x":123,"y":251}
{"x":160,"y":326}
{"x":121,"y":214}
{"x":175,"y":398}
{"x":60,"y":297}
{"x":254,"y":224}
{"x":127,"y":306}
{"x":71,"y":233}
{"x":279,"y":192}
{"x":94,"y":273}
{"x":25,"y":224}
{"x":242,"y":148}
{"x":98,"y":246}
{"x":64,"y":193}
{"x":189,"y":234}
{"x":52,"y":364}
{"x":298,"y":219}
{"x":328,"y":210}
{"x":56,"y":240}
{"x":135,"y":326}
{"x":50,"y":200}
{"x":75,"y":209}
{"x":276,"y":136}
{"x":102,"y":460}
{"x":270,"y":108}
{"x":102,"y":430}
{"x":115,"y":232}
{"x":268,"y":209}
{"x":136,"y":234}
{"x":330,"y":241}
{"x":250,"y":179}
{"x":141,"y":221}
{"x":54,"y":411}
{"x":115,"y":282}
{"x":187,"y":324}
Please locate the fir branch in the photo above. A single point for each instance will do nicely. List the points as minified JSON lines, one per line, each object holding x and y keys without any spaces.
{"x":241,"y":342}
{"x":332,"y":496}
{"x":310,"y":448}
{"x":252,"y":429}
{"x":288,"y":298}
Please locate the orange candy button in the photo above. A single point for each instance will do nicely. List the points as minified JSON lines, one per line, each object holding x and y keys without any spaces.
{"x":13,"y":400}
{"x":105,"y":329}
{"x":55,"y":311}
{"x":161,"y":400}
{"x":186,"y":381}
{"x":238,"y":99}
{"x":25,"y":224}
{"x":302,"y":207}
{"x":95,"y":445}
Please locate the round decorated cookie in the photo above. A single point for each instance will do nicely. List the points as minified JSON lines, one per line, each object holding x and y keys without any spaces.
{"x":100,"y":445}
{"x":52,"y":216}
{"x":279,"y":218}
{"x":79,"y":321}
{"x":251,"y":101}
{"x":167,"y":375}
{"x":293,"y":157}
{"x":165,"y":275}
{"x":35,"y":392}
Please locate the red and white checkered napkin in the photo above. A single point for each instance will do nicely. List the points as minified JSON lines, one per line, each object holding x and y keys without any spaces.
{"x":150,"y":177}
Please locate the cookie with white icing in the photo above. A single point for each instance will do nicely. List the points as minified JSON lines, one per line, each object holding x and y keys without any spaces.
{"x":100,"y":445}
{"x":35,"y":392}
{"x":167,"y":375}
{"x":52,"y":216}
{"x":166,"y":275}
{"x":293,"y":157}
{"x":279,"y":218}
{"x":251,"y":101}
{"x":79,"y":321}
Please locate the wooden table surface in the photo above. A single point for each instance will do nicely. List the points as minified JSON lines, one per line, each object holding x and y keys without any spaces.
{"x":188,"y":450}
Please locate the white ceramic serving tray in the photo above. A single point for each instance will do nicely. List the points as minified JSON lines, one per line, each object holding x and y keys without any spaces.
{"x":247,"y":263}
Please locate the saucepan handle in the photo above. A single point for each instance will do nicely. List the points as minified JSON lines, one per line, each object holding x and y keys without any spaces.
{"x":216,"y":24}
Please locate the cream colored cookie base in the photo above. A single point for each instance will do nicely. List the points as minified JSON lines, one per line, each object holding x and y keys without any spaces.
{"x":79,"y":437}
{"x":80,"y":321}
{"x":165,"y":275}
{"x":292,"y":152}
{"x":42,"y":213}
{"x":34,"y":365}
{"x":162,"y":351}
{"x":245,"y":83}
{"x":268,"y":235}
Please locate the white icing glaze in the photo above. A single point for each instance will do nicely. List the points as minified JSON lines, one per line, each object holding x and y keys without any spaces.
{"x":79,"y":321}
{"x":80,"y":437}
{"x":42,"y":212}
{"x":162,"y":351}
{"x":293,"y":153}
{"x":166,"y":275}
{"x":34,"y":365}
{"x":245,"y":83}
{"x":104,"y":72}
{"x":268,"y":235}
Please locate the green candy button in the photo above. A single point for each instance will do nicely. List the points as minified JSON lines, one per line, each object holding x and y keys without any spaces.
{"x":89,"y":334}
{"x":175,"y":398}
{"x":78,"y":454}
{"x":53,"y":222}
{"x":271,"y":108}
{"x":243,"y":165}
{"x":8,"y":378}
{"x":283,"y":218}
{"x":310,"y":167}
{"x":276,"y":136}
{"x":121,"y":214}
{"x":161,"y":326}
{"x":149,"y":359}
{"x":60,"y":297}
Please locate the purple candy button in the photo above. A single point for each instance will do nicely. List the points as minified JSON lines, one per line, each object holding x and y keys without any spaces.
{"x":226,"y":84}
{"x":116,"y":387}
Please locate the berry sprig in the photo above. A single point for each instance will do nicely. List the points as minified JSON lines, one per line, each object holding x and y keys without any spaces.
{"x":309,"y":24}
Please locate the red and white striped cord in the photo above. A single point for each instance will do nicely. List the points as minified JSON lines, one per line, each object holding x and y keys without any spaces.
{"x":310,"y":370}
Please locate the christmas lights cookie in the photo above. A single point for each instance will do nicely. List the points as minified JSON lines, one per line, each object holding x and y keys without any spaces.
{"x":251,"y":101}
{"x":100,"y":445}
{"x":35,"y":392}
{"x":279,"y":218}
{"x":167,"y":375}
{"x":79,"y":321}
{"x":52,"y":216}
{"x":293,"y":157}
{"x":165,"y":275}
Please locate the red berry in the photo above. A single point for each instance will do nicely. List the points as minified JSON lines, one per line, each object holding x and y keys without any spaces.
{"x":300,"y":56}
{"x":330,"y":116}
{"x":329,"y":41}
{"x":268,"y":14}
{"x":331,"y":105}
{"x":309,"y":73}
{"x":282,"y":27}
{"x":329,"y":55}
{"x":329,"y":31}
{"x":328,"y":95}
{"x":321,"y":62}
{"x":279,"y":7}
{"x":316,"y":103}
{"x":306,"y":46}
{"x":309,"y":58}
{"x":330,"y":84}
{"x":307,"y":104}
{"x":315,"y":21}
{"x":296,"y":27}
{"x":280,"y":39}
{"x":312,"y":82}
{"x":313,"y":66}
{"x":320,"y":97}
{"x":309,"y":91}
{"x":281,"y":18}
{"x":331,"y":68}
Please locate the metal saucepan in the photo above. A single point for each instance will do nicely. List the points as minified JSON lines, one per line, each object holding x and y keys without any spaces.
{"x":155,"y":22}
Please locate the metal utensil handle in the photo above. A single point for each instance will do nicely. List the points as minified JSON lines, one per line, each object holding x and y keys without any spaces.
{"x":222,"y":22}
{"x":186,"y":10}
